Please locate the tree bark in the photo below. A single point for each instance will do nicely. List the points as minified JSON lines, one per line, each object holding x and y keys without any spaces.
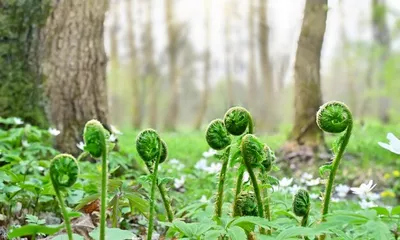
{"x":75,"y":66}
{"x":150,"y":69}
{"x":266,"y":69}
{"x":228,"y":64}
{"x":204,"y":102}
{"x":308,"y":97}
{"x":137,"y":104}
{"x":251,"y":77}
{"x":173,"y":110}
{"x":381,"y":35}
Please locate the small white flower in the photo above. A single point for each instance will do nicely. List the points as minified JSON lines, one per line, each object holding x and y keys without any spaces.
{"x":203,"y":199}
{"x":366,"y":204}
{"x":342,"y":190}
{"x":211,"y":152}
{"x":54,"y":131}
{"x":364,"y":189}
{"x":115,"y":130}
{"x":306,"y":177}
{"x":178,"y":183}
{"x":333,"y":199}
{"x":80,"y":145}
{"x":294,"y":189}
{"x":314,"y":196}
{"x":214,"y":168}
{"x":313,"y":182}
{"x":18,"y":121}
{"x":174,"y":161}
{"x":25,"y":143}
{"x":394,"y":143}
{"x":201,"y":164}
{"x":373,"y":196}
{"x":113,"y":138}
{"x":285,"y":182}
{"x":246,"y":176}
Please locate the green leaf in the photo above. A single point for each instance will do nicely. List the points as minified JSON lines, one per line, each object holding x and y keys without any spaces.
{"x":248,"y":223}
{"x":136,"y":202}
{"x":381,"y":211}
{"x":236,"y":233}
{"x":112,"y":233}
{"x":378,"y":229}
{"x":87,"y":200}
{"x":395,"y":211}
{"x":272,"y":180}
{"x":214,"y":234}
{"x":165,"y":180}
{"x":183,"y":227}
{"x":325,"y":168}
{"x":33,"y":229}
{"x":65,"y":237}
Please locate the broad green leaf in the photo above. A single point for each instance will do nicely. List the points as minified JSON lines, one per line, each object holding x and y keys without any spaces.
{"x":65,"y":237}
{"x":33,"y":229}
{"x":248,"y":223}
{"x":112,"y":233}
{"x":381,"y":211}
{"x":396,"y":210}
{"x":184,"y":228}
{"x":236,"y":233}
{"x":214,"y":234}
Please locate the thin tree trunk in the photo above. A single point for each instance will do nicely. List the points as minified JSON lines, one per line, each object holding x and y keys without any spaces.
{"x":266,"y":69}
{"x":137,"y":109}
{"x":151,"y":70}
{"x":308,"y":96}
{"x":228,"y":64}
{"x":75,"y":67}
{"x":173,"y":110}
{"x":251,"y":78}
{"x":114,"y":60}
{"x":204,"y":101}
{"x":382,"y":39}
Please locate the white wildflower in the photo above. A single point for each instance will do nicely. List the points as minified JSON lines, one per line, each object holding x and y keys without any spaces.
{"x":174,"y":161}
{"x":373,"y":196}
{"x":80,"y":145}
{"x":364,"y":189}
{"x":306,"y":177}
{"x":342,"y":190}
{"x":18,"y":121}
{"x":314,"y":196}
{"x":394,"y":143}
{"x":54,"y":131}
{"x":178,"y":183}
{"x":313,"y":182}
{"x":214,"y":168}
{"x":285,"y":182}
{"x":203,"y":199}
{"x":294,"y":189}
{"x":333,"y":199}
{"x":211,"y":152}
{"x":201,"y":164}
{"x":25,"y":143}
{"x":366,"y":204}
{"x":115,"y":130}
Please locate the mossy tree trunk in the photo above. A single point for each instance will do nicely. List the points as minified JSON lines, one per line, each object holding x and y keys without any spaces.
{"x":228,"y":63}
{"x":205,"y":95}
{"x":74,"y":63}
{"x":174,"y":93}
{"x":134,"y":70}
{"x":21,"y":81}
{"x":308,"y":97}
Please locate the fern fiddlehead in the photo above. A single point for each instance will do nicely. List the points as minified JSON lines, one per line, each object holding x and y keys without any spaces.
{"x":237,"y":120}
{"x":218,"y":138}
{"x":95,"y":137}
{"x":334,"y":117}
{"x":64,"y":171}
{"x":153,"y":151}
{"x":301,"y":205}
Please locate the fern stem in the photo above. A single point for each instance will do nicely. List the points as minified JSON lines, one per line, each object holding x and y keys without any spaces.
{"x":220,"y":193}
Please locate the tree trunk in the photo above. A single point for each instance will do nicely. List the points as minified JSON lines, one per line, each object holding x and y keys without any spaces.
{"x":173,"y":110}
{"x":308,"y":97}
{"x":114,"y":60}
{"x":382,"y":39}
{"x":21,"y":81}
{"x":251,"y":78}
{"x":266,"y":69}
{"x":204,"y":101}
{"x":228,"y":64}
{"x":75,"y":67}
{"x":137,"y":105}
{"x":150,"y":69}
